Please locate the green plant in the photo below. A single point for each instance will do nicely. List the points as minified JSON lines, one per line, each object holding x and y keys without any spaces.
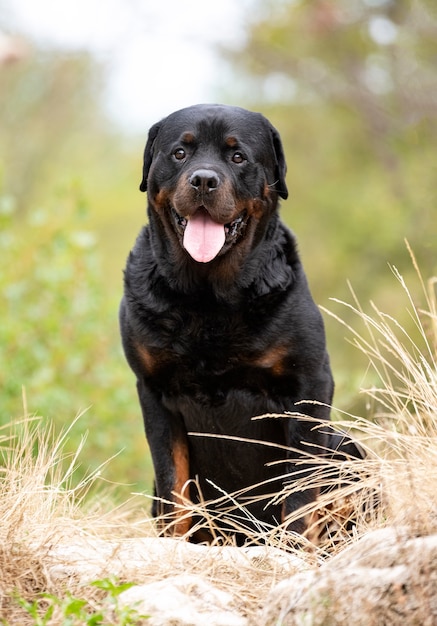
{"x":34,"y":611}
{"x":59,"y":334}
{"x":126,"y":616}
{"x":75,"y":611}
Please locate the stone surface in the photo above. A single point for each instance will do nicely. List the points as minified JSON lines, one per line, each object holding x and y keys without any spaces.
{"x":185,"y":600}
{"x":385,"y":577}
{"x":177,"y":583}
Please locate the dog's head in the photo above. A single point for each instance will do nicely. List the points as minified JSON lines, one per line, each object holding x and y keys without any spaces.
{"x":213,"y":174}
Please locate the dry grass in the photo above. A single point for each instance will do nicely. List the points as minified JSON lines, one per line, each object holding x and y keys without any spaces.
{"x":402,"y":433}
{"x":40,"y":505}
{"x":338,"y":516}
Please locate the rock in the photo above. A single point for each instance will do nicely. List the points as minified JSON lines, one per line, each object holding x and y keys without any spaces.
{"x":383,"y":578}
{"x":176,"y":582}
{"x":387,"y":576}
{"x":185,"y":600}
{"x":88,"y":559}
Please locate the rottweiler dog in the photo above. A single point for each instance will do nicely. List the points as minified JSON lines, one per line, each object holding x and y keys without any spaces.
{"x":219,"y":326}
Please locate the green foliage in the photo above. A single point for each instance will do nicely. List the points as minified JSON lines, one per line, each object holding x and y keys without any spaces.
{"x":62,"y":211}
{"x":352,"y":87}
{"x":33,"y":610}
{"x":51,"y":109}
{"x":59,"y":338}
{"x":76,"y":611}
{"x":112,"y":586}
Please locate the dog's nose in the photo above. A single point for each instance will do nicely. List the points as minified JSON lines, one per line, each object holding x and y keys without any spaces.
{"x":204,"y":180}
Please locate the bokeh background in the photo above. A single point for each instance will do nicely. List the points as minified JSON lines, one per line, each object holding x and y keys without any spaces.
{"x":350,"y":84}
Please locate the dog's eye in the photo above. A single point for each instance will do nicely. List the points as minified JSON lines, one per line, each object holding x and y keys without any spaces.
{"x":179,"y":154}
{"x":237,"y":157}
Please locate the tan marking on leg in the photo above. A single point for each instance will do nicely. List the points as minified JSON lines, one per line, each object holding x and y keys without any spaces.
{"x":181,"y":462}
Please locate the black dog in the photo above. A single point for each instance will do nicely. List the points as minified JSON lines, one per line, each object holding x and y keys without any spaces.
{"x":218,"y":323}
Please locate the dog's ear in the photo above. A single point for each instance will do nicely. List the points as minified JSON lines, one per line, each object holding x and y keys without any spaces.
{"x":281,"y":166}
{"x":148,"y":154}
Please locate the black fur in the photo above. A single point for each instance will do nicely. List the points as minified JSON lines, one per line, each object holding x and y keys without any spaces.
{"x":215,"y":344}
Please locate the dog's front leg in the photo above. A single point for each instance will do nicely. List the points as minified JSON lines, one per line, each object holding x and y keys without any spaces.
{"x":169,"y":449}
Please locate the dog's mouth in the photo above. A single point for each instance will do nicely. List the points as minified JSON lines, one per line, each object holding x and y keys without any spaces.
{"x":203,"y":238}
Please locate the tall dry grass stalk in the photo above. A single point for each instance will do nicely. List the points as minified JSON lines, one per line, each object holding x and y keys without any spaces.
{"x":401,"y":433}
{"x":347,"y":507}
{"x":40,"y":495}
{"x":42,"y":505}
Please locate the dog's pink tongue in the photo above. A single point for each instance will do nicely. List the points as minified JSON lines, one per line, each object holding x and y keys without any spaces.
{"x":203,"y":238}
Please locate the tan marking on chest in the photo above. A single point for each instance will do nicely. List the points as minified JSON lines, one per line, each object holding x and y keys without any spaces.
{"x":146,"y":358}
{"x":273,"y":359}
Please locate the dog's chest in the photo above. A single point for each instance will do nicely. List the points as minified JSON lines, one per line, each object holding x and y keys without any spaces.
{"x":204,"y":339}
{"x":209,"y":353}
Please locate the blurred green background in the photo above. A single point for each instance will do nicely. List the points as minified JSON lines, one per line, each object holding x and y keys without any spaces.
{"x":352,"y":87}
